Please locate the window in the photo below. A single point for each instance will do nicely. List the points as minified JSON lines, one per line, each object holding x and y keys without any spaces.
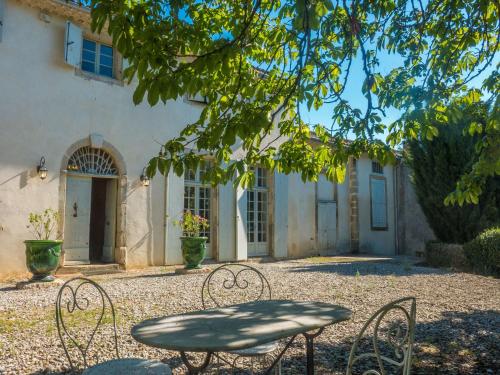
{"x":197,"y":98}
{"x":97,"y":58}
{"x":88,"y":160}
{"x":257,"y":208}
{"x":378,"y":202}
{"x":377,"y":168}
{"x":197,"y":195}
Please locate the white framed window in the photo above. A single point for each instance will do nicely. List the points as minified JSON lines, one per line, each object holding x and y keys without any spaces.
{"x":378,"y":203}
{"x":197,"y":195}
{"x":197,"y":98}
{"x":97,"y":58}
{"x":257,"y":213}
{"x":377,"y":167}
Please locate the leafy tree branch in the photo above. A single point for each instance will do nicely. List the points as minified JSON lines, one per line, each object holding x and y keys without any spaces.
{"x":260,"y":63}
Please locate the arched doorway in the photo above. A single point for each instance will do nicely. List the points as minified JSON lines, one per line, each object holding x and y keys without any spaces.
{"x":90,"y":215}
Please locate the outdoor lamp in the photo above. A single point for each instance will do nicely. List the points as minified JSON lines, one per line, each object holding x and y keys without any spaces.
{"x":144,"y":178}
{"x":42,"y":169}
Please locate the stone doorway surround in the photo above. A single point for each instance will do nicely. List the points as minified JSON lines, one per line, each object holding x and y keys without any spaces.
{"x":97,"y":141}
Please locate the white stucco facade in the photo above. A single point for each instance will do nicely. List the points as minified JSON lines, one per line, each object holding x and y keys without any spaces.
{"x":49,"y":109}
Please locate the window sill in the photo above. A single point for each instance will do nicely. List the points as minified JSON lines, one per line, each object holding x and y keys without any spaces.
{"x":97,"y":77}
{"x":194,"y":102}
{"x":379,"y":229}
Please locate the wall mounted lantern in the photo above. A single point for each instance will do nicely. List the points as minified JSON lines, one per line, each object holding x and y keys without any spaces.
{"x":144,"y":178}
{"x":42,"y":169}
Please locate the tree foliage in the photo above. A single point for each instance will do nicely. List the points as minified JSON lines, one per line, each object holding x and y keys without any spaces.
{"x":261,"y":62}
{"x":436,"y":164}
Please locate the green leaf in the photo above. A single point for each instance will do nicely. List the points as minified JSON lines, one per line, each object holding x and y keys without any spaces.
{"x":139,"y":93}
{"x":163,"y":166}
{"x":153,"y":94}
{"x":151,"y":169}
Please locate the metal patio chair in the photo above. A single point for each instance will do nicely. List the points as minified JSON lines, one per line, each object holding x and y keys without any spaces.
{"x":234,"y":283}
{"x":81,"y":299}
{"x":399,"y":334}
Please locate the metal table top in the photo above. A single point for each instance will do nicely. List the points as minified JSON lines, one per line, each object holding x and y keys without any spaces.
{"x":237,"y":327}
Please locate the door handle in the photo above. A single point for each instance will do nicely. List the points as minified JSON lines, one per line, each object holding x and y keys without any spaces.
{"x":75,"y":209}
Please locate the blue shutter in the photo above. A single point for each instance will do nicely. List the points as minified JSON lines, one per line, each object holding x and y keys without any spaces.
{"x":73,"y":45}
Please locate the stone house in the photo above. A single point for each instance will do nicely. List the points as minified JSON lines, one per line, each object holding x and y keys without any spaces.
{"x":63,"y":103}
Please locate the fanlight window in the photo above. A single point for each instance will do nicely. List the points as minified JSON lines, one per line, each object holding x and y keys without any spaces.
{"x":88,"y":160}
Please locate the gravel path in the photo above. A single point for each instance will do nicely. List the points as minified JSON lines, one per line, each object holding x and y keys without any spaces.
{"x":458,"y":314}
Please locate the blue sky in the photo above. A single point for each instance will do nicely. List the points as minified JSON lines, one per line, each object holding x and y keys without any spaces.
{"x":355,"y":97}
{"x":353,"y":93}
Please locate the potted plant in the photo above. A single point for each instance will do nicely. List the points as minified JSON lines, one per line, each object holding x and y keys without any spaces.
{"x":193,"y":246}
{"x":42,"y":253}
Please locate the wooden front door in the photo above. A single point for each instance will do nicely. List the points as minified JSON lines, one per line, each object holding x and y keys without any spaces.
{"x":97,"y":219}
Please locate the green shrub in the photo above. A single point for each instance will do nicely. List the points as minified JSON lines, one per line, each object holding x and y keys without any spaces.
{"x":439,"y":254}
{"x":438,"y":164}
{"x":483,"y":252}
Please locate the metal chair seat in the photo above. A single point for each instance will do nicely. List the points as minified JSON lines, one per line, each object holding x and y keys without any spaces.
{"x":129,"y":366}
{"x":80,"y":295}
{"x":257,"y":351}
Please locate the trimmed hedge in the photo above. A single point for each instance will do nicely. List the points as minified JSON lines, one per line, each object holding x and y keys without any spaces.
{"x":483,"y":252}
{"x":440,"y":254}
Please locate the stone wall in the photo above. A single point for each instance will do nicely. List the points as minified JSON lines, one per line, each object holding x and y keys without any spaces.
{"x":414,"y":231}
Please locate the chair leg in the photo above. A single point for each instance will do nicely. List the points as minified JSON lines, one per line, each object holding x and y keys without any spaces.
{"x":234,"y":364}
{"x":277,"y":370}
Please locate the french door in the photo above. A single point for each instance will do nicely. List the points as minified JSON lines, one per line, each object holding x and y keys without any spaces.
{"x":257,"y":215}
{"x":198,"y":200}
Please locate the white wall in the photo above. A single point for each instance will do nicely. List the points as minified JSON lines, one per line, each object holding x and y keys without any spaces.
{"x":343,"y":230}
{"x":44,"y":108}
{"x":302,"y":232}
{"x":302,"y":221}
{"x":375,"y":241}
{"x":301,"y":217}
{"x":226,"y":225}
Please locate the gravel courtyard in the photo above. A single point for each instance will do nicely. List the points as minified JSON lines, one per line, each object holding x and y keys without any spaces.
{"x":458,"y":314}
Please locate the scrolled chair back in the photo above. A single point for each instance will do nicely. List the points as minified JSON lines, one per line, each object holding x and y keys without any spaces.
{"x":234,"y":283}
{"x":84,"y":309}
{"x":395,"y":321}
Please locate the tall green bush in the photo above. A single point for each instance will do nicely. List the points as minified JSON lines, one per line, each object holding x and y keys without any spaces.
{"x":437,"y":165}
{"x":483,"y":252}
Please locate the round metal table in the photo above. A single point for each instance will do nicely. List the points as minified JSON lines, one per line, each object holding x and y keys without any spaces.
{"x":239,"y":327}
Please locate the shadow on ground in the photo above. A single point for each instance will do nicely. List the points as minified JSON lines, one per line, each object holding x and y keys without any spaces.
{"x":459,"y":343}
{"x":379,"y":268}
